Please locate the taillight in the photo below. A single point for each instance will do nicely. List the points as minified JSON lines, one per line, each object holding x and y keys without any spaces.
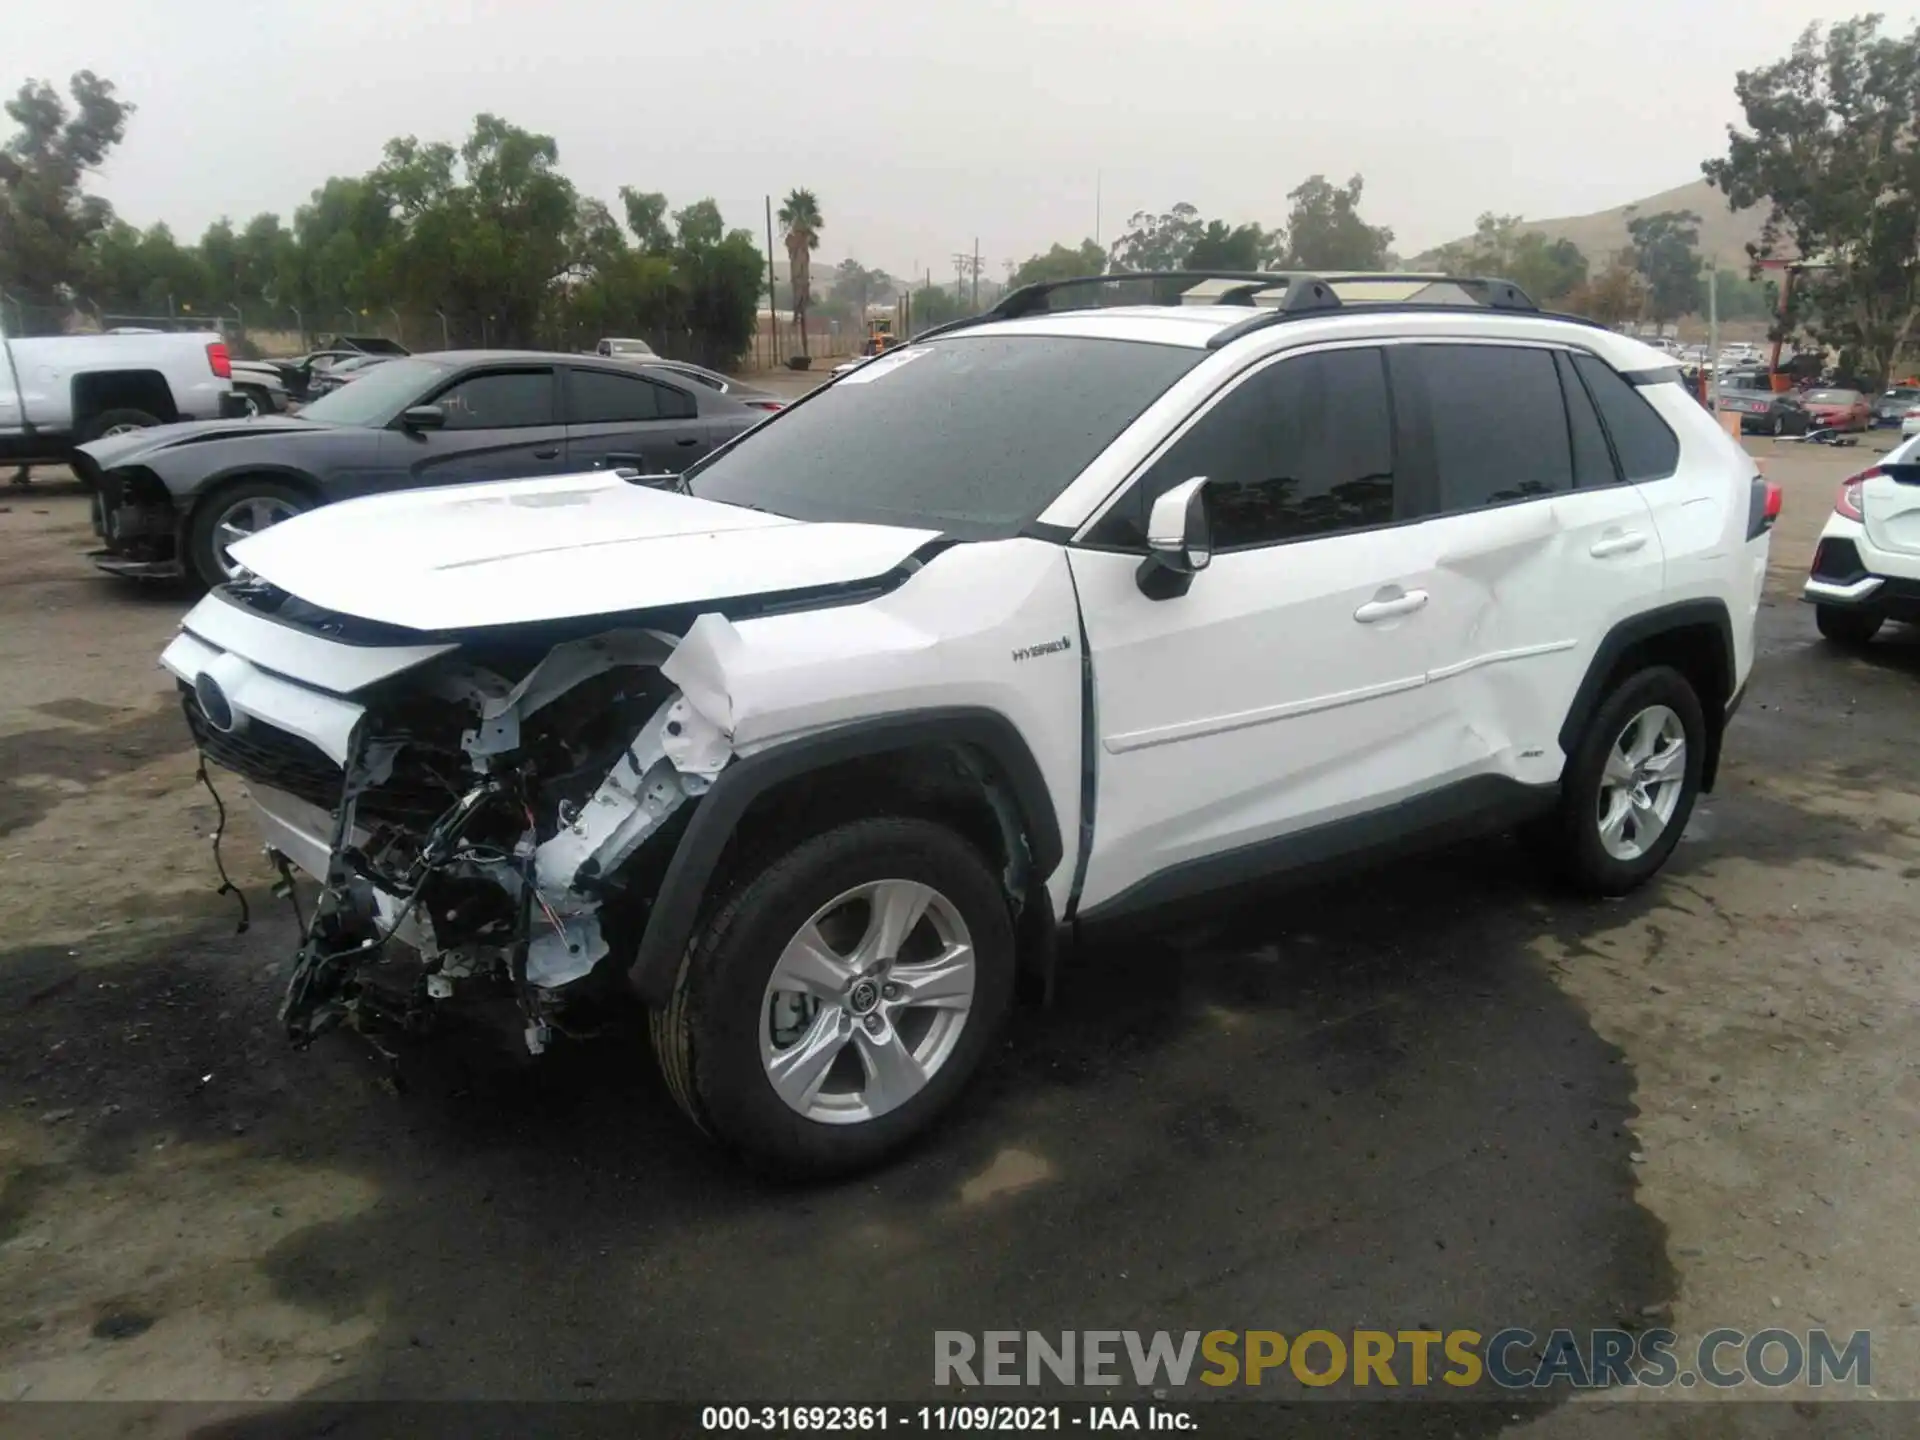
{"x":766,"y":404}
{"x":1763,"y":507}
{"x":219,"y":360}
{"x":1848,"y":502}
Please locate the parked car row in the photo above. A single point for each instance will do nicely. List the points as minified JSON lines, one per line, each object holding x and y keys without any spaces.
{"x":175,"y":500}
{"x":1766,"y":411}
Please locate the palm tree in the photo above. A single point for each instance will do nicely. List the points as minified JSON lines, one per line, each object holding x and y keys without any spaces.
{"x":800,"y":227}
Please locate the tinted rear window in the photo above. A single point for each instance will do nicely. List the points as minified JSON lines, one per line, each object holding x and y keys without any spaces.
{"x":1499,"y":424}
{"x":1646,"y":448}
{"x":1592,"y":461}
{"x":595,"y":397}
{"x":972,"y":435}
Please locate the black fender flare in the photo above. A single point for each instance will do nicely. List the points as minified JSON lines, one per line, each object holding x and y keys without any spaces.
{"x":676,"y":907}
{"x":1634,"y":630}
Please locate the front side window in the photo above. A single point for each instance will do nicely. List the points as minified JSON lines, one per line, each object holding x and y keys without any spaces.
{"x":502,"y":400}
{"x":379,"y":395}
{"x":1301,"y":448}
{"x":1499,"y":425}
{"x":970,"y":435}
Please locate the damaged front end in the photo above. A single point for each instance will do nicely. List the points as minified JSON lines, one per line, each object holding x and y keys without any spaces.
{"x":490,"y":824}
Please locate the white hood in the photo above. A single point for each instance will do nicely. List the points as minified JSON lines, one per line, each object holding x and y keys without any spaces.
{"x":516,"y":551}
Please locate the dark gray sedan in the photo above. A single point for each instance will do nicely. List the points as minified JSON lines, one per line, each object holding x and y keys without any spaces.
{"x":171,"y":500}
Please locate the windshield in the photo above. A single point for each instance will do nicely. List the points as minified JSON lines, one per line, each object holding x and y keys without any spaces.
{"x":381,"y":393}
{"x":1834,"y":397}
{"x":971,"y":435}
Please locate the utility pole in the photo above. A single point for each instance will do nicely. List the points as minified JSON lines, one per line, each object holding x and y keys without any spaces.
{"x":1713,"y":338}
{"x":773,"y":293}
{"x":967,"y":267}
{"x":1097,"y":178}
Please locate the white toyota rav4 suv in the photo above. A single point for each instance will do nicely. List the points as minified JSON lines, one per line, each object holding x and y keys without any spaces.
{"x":1866,"y":569}
{"x":1052,"y":619}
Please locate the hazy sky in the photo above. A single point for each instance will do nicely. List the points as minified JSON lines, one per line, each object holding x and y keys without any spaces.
{"x":922,"y":124}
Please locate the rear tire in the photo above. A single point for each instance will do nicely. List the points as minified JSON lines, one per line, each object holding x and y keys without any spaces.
{"x":116,"y":422}
{"x":720,"y":1036}
{"x":1608,"y":842}
{"x":1850,"y":629}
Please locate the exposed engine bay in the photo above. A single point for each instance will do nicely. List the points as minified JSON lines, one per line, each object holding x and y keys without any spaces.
{"x":497,"y":826}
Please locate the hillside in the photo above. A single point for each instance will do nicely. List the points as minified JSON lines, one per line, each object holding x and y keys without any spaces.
{"x":1723,"y":234}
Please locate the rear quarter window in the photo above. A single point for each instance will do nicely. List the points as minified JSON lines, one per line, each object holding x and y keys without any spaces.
{"x":1645,"y":447}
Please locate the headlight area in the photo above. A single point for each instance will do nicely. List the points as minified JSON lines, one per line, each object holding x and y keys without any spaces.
{"x":488,"y":834}
{"x":135,"y":518}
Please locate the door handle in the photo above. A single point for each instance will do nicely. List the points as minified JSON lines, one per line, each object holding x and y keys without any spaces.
{"x":688,"y":440}
{"x":1386,"y":609}
{"x":549,"y":453}
{"x":1617,"y":542}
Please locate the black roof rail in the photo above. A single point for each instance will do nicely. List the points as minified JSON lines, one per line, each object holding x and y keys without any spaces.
{"x":1307,"y":293}
{"x":1027,"y":299}
{"x":1314,"y":294}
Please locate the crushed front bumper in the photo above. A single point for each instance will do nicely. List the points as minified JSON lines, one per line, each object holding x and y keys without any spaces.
{"x":436,"y":811}
{"x":135,"y":516}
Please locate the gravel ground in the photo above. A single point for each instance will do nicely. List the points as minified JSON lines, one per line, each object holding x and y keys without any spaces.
{"x":1440,"y":1094}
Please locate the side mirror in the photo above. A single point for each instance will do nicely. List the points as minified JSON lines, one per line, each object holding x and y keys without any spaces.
{"x":423,"y":417}
{"x":1179,"y":541}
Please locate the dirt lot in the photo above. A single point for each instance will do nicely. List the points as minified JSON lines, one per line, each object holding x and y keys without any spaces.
{"x":1440,"y":1095}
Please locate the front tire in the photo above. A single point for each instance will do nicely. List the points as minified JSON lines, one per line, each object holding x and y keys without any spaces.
{"x":840,"y":998}
{"x":1850,"y":629}
{"x":1631,"y":783}
{"x":229,"y":516}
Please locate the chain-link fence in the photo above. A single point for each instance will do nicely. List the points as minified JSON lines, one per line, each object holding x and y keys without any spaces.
{"x":262,"y":331}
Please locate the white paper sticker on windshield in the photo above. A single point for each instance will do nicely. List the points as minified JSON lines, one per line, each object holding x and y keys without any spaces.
{"x":880,"y":365}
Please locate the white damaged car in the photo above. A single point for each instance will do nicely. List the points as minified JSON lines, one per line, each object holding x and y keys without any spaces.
{"x":1054,"y":619}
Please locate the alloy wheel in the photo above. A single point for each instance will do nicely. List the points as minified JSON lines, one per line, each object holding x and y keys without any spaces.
{"x":1640,"y":785}
{"x":867,"y":1002}
{"x":242,"y":519}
